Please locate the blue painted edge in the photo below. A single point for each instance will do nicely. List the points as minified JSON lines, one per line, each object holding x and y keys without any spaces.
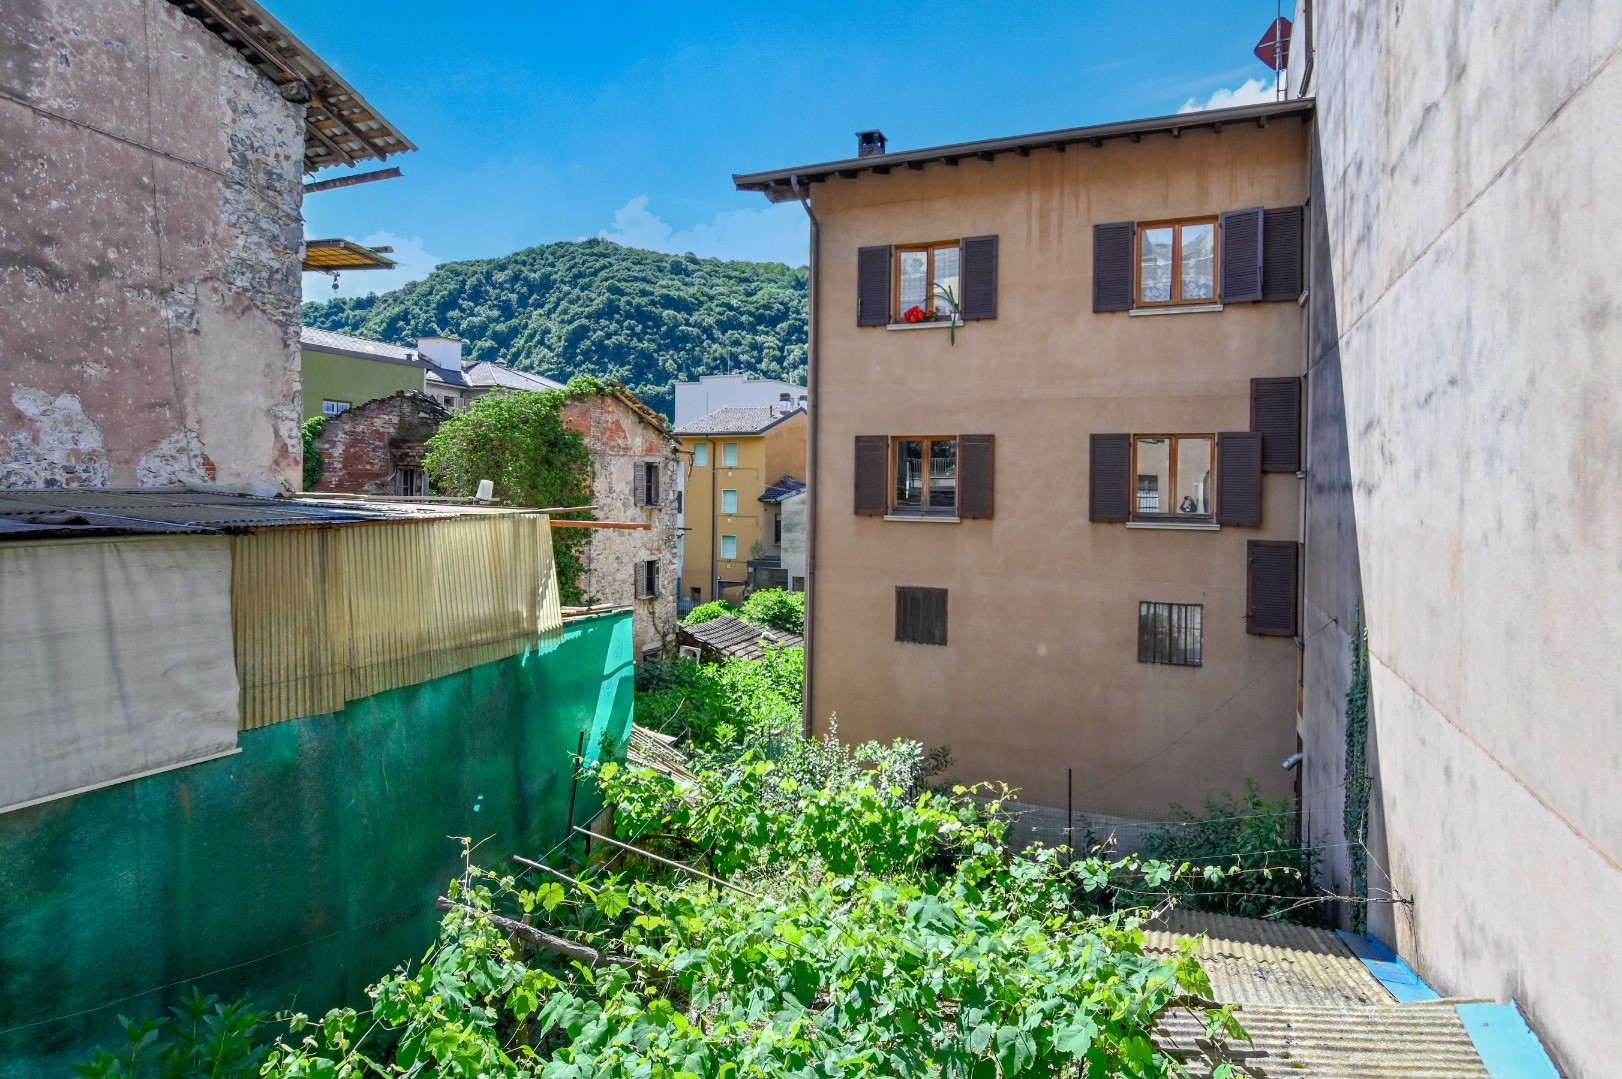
{"x":1398,"y":977}
{"x":1506,"y":1045}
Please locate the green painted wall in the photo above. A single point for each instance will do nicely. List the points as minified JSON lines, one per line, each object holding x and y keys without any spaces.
{"x":302,"y":868}
{"x":348,"y":378}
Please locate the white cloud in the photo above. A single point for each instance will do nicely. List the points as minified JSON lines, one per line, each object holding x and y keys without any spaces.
{"x":775,"y":234}
{"x":412,"y":260}
{"x":1252,"y":92}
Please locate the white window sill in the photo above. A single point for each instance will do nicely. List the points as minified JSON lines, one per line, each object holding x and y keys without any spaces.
{"x":923,"y":325}
{"x":1178,"y":526}
{"x":1187,"y":309}
{"x":925,"y":517}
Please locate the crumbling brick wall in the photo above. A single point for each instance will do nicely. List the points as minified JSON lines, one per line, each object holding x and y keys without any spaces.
{"x":150,"y":252}
{"x":363,"y":448}
{"x":620,"y":437}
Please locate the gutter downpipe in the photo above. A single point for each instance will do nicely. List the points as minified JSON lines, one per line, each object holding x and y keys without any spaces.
{"x":806,"y":713}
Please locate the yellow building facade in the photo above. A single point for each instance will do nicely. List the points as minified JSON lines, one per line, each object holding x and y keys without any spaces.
{"x":729,"y":459}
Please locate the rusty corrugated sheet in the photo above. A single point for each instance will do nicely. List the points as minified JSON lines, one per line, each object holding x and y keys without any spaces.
{"x":324,"y":616}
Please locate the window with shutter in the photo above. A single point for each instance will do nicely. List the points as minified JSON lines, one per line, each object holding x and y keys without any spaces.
{"x":1275,"y":415}
{"x":920,"y":615}
{"x":1109,"y":462}
{"x":1172,"y":475}
{"x":872,"y":475}
{"x":873,"y":286}
{"x":1239,"y":478}
{"x":1176,"y":262}
{"x":652,"y":577}
{"x":1271,"y":587}
{"x":640,"y":473}
{"x":1242,"y":255}
{"x":652,"y":470}
{"x":1282,"y":230}
{"x":979,"y":299}
{"x":641,"y":580}
{"x":1112,"y":266}
{"x":976,"y":475}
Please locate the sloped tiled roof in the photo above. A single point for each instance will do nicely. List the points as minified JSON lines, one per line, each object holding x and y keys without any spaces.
{"x":783,"y":489}
{"x":485,"y":373}
{"x":737,"y":421}
{"x":734,"y":637}
{"x":343,"y":344}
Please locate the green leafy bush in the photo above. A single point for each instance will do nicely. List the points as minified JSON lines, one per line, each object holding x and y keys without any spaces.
{"x":776,"y":608}
{"x":1247,"y":858}
{"x":204,"y":1037}
{"x":593,"y":307}
{"x":711,"y":705}
{"x":704,"y":612}
{"x":520,"y":442}
{"x":313,"y":467}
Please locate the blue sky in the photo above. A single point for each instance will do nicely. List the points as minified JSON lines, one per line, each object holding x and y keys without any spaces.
{"x":545,"y":122}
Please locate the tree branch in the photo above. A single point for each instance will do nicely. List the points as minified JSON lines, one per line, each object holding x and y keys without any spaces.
{"x":539,"y":938}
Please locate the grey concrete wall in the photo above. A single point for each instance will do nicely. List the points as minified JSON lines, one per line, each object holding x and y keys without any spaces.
{"x":1472,"y":153}
{"x":793,"y":550}
{"x":150,"y":238}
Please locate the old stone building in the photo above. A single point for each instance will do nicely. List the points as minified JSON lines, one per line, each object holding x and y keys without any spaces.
{"x":377,"y":448}
{"x":151,"y":235}
{"x":635,"y":471}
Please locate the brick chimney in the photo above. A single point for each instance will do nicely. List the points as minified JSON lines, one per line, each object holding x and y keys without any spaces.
{"x":870,"y":143}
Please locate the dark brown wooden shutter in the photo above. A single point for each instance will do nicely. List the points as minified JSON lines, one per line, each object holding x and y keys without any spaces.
{"x":873,"y":286}
{"x":1282,"y":254}
{"x":1270,"y":588}
{"x":1275,"y":414}
{"x":641,"y":470}
{"x":979,"y":281}
{"x":1109,"y":466}
{"x":1242,"y":255}
{"x":872,"y":475}
{"x":976,"y":468}
{"x":1112,"y":266}
{"x":1239,"y":478}
{"x":920,"y":615}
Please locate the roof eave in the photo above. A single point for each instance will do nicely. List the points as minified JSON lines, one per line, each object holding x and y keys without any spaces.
{"x":778,"y":184}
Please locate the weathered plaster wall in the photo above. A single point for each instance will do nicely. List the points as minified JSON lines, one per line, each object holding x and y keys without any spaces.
{"x":1040,"y":672}
{"x":1471,"y":157}
{"x":792,"y":553}
{"x":619,"y":439}
{"x":150,"y":240}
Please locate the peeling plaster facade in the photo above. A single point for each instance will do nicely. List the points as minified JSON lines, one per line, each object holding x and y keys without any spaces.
{"x":1465,"y":419}
{"x":150,"y":252}
{"x":619,"y":439}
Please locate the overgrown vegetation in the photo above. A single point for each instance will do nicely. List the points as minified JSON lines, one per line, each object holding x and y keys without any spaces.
{"x":1260,"y":869}
{"x":644,"y":318}
{"x":776,"y":608}
{"x":313,"y":466}
{"x":704,"y":612}
{"x":203,"y":1037}
{"x":715,"y":705}
{"x":520,"y":442}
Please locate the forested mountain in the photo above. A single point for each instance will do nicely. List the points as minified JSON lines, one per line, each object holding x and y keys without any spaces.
{"x":593,"y":307}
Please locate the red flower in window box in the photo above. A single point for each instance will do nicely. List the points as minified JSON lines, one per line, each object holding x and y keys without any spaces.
{"x":913,"y":314}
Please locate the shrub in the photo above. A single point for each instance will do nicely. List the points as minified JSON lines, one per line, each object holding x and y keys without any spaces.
{"x":777,"y":609}
{"x":706,"y":611}
{"x":312,"y":457}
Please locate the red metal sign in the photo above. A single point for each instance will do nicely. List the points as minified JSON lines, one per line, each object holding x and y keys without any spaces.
{"x":1274,"y":47}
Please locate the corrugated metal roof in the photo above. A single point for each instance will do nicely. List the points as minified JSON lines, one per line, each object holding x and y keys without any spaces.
{"x":736,"y":638}
{"x":1311,"y":1006}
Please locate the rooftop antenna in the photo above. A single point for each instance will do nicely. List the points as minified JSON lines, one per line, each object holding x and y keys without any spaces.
{"x":1274,"y":51}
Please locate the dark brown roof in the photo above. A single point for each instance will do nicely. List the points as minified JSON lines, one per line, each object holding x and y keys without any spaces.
{"x":733,"y":637}
{"x":778,"y":184}
{"x":340,"y":126}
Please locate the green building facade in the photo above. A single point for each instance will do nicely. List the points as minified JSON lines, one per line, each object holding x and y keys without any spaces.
{"x":349,"y":371}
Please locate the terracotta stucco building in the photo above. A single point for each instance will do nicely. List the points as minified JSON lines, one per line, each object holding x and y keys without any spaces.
{"x":1067,"y":540}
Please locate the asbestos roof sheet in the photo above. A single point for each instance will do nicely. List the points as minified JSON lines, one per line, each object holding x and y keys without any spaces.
{"x":735,"y":638}
{"x":485,"y":373}
{"x":32,"y":513}
{"x":1253,"y":961}
{"x":343,"y":344}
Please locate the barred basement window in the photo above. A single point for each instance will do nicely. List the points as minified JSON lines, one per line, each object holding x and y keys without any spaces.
{"x":1170,"y":633}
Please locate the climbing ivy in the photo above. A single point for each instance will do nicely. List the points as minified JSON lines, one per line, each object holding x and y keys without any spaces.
{"x":1356,"y":817}
{"x":312,"y":429}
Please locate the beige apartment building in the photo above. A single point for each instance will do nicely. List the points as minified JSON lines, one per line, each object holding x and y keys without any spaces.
{"x":735,"y":460}
{"x":1055,"y":429}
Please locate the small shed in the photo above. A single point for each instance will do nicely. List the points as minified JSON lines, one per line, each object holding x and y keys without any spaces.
{"x":727,"y":637}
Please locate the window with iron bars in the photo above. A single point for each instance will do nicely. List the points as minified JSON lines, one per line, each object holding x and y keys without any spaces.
{"x":1170,"y":633}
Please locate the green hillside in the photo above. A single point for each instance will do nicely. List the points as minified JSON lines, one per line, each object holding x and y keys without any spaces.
{"x":596,"y":308}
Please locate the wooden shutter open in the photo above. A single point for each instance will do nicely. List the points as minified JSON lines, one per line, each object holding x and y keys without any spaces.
{"x":1109,"y":488}
{"x":873,"y":286}
{"x":872,"y":475}
{"x":641,"y":580}
{"x":976,"y":468}
{"x":1275,"y":415}
{"x":1239,"y":478}
{"x":641,"y":480}
{"x":1282,"y":275}
{"x":1242,"y":255}
{"x":979,"y":280}
{"x":1112,"y":266}
{"x":1270,"y":588}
